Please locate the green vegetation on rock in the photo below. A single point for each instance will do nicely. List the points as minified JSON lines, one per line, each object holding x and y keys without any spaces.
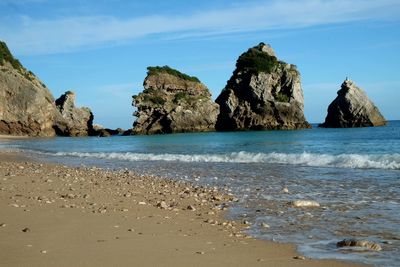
{"x":155,"y":99}
{"x":256,"y":61}
{"x":6,"y":56}
{"x":171,"y":71}
{"x":281,"y":97}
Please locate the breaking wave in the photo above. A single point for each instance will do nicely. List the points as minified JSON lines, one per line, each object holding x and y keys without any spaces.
{"x":356,"y":161}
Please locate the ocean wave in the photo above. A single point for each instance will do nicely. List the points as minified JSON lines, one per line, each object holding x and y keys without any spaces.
{"x":357,"y":161}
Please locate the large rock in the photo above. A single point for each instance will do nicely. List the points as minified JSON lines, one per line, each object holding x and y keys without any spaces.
{"x":263,"y":93}
{"x":359,"y":243}
{"x":173,"y":102}
{"x":28,"y":108}
{"x":77,"y":121}
{"x":26,"y":105}
{"x":352,"y":108}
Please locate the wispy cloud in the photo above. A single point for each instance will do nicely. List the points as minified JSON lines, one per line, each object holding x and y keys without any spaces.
{"x":27,"y":35}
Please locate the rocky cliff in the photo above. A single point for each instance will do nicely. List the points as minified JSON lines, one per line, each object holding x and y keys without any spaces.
{"x":263,"y":93}
{"x":173,"y":102}
{"x":352,"y":108}
{"x":77,"y":121}
{"x":26,"y":105}
{"x":28,"y":108}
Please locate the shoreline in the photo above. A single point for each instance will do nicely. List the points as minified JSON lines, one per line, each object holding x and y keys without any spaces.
{"x":86,"y":216}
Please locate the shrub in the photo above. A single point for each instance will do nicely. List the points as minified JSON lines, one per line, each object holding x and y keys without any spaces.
{"x":180,"y":96}
{"x":257,"y":61}
{"x":155,"y":99}
{"x":171,"y":71}
{"x":281,"y":97}
{"x":5,"y":55}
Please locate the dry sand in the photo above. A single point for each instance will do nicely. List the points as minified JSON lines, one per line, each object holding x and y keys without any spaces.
{"x":53,"y":215}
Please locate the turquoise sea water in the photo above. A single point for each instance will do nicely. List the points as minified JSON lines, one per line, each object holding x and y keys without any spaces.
{"x":353,"y":173}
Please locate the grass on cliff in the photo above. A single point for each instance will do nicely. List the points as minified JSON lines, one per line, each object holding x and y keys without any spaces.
{"x":6,"y":56}
{"x":256,"y":61}
{"x":171,"y":71}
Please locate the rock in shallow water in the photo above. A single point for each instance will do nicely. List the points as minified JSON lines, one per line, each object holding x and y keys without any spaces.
{"x":352,"y":108}
{"x":173,"y":102}
{"x":263,"y":93}
{"x":304,"y":203}
{"x":359,"y":243}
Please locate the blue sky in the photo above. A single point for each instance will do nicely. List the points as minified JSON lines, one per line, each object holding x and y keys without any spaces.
{"x":100,"y":49}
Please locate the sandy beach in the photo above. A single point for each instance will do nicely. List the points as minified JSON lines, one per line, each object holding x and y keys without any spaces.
{"x":53,"y":215}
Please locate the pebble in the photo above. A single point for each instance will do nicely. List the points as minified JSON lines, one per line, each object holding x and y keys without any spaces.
{"x":264,"y":225}
{"x":299,"y":257}
{"x":304,"y":203}
{"x":190,"y":207}
{"x":3,"y":225}
{"x":162,"y":205}
{"x":25,"y":230}
{"x":43,"y":251}
{"x":142,"y":203}
{"x":285,"y":190}
{"x":200,"y":252}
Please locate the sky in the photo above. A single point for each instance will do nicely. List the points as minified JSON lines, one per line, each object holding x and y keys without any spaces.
{"x":100,"y":49}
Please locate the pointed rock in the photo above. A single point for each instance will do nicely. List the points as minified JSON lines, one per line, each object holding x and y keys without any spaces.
{"x":77,"y":121}
{"x":352,"y":108}
{"x":263,"y":93}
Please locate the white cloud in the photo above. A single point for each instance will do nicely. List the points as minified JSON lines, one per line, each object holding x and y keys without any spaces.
{"x":28,"y":36}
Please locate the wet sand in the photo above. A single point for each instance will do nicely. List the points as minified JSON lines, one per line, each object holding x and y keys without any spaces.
{"x":54,"y":215}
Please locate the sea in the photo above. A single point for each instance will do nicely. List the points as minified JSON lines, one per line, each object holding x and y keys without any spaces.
{"x":354,"y":174}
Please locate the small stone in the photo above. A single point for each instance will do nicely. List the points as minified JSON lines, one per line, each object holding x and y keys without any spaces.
{"x":200,"y":252}
{"x":131,"y":230}
{"x":264,"y":225}
{"x":142,"y":203}
{"x":43,"y":251}
{"x":190,"y":207}
{"x":25,"y":230}
{"x":217,"y":197}
{"x":299,"y":257}
{"x":304,"y":203}
{"x":3,"y":225}
{"x":246,"y":222}
{"x":162,"y":205}
{"x":285,"y":190}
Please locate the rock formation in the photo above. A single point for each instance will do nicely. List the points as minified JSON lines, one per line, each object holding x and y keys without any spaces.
{"x":173,"y":102}
{"x":352,"y":108}
{"x":359,"y":243}
{"x":263,"y":93}
{"x":28,"y":108}
{"x":77,"y":121}
{"x":26,"y":105}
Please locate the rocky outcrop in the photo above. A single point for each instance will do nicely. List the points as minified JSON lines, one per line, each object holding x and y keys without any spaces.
{"x":76,"y":121}
{"x":173,"y":102}
{"x":352,"y":108}
{"x":263,"y":93}
{"x":28,"y":108}
{"x":26,"y":105}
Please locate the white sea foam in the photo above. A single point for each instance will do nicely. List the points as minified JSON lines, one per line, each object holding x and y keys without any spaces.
{"x":383,"y":161}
